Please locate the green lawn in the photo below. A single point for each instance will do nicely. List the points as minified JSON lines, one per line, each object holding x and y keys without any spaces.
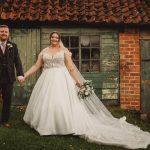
{"x":21,"y":137}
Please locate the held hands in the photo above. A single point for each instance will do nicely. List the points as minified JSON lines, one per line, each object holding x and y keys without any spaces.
{"x":20,"y":79}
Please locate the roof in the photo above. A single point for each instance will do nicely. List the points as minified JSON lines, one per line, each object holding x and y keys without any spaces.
{"x":87,"y":11}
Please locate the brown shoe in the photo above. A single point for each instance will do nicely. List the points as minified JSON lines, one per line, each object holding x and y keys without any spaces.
{"x":6,"y":125}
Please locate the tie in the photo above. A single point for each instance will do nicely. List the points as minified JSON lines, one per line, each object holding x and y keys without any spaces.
{"x":3,"y":47}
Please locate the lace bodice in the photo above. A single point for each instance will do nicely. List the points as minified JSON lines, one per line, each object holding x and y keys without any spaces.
{"x":53,"y":61}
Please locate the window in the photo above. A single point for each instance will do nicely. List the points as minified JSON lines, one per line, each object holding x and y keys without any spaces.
{"x":85,"y":51}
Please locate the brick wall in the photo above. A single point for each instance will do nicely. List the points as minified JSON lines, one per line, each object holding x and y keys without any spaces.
{"x":129,"y":69}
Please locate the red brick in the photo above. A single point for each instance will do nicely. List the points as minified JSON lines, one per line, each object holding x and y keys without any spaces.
{"x":134,"y":74}
{"x":130,"y":69}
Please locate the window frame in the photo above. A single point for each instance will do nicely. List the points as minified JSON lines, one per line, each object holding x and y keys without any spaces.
{"x":90,"y":47}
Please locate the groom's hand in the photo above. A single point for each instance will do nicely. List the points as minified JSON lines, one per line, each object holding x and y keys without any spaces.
{"x":20,"y":79}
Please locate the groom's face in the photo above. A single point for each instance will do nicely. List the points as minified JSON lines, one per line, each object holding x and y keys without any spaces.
{"x":4,"y":33}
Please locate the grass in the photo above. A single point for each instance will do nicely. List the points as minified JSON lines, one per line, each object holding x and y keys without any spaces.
{"x":22,"y":137}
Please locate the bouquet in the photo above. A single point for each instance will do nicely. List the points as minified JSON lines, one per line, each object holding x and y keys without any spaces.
{"x":86,"y":90}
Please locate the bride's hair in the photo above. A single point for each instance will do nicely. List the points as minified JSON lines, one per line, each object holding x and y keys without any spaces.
{"x":59,"y":36}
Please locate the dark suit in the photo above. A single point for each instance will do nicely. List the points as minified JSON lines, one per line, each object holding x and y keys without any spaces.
{"x":9,"y":62}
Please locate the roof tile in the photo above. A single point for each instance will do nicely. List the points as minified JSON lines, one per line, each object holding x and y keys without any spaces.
{"x":93,"y":11}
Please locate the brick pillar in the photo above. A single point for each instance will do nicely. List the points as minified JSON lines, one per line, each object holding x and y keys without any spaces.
{"x":129,"y":69}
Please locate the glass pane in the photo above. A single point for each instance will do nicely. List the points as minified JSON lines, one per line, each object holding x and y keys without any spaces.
{"x":95,"y":41}
{"x":74,"y":41}
{"x":85,"y":41}
{"x":85,"y":66}
{"x":85,"y":53}
{"x":95,"y":67}
{"x":95,"y":53}
{"x":75,"y":53}
{"x":65,"y":40}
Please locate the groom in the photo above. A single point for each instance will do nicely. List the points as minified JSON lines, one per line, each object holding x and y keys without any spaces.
{"x":9,"y":62}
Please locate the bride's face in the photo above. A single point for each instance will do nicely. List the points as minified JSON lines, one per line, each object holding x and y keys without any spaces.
{"x":54,"y":40}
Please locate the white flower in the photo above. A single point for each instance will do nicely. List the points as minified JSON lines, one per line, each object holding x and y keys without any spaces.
{"x":9,"y":45}
{"x":88,"y":88}
{"x":86,"y":93}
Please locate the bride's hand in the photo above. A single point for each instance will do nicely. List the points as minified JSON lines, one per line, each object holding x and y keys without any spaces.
{"x":78,"y":84}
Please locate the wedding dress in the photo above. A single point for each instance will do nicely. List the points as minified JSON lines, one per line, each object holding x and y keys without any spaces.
{"x":55,"y":109}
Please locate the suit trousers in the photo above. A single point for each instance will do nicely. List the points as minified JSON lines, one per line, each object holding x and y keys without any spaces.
{"x":6,"y":88}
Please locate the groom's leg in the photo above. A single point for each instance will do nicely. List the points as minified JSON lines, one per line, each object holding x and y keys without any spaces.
{"x":7,"y":90}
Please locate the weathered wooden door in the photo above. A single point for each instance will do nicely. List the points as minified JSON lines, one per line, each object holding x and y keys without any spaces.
{"x":145,"y":75}
{"x":28,"y":42}
{"x":95,"y":53}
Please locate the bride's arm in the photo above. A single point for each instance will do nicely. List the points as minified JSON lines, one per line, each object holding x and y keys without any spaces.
{"x":35,"y":67}
{"x":70,"y":67}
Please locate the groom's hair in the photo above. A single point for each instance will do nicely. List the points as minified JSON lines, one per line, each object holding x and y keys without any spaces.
{"x":4,"y":26}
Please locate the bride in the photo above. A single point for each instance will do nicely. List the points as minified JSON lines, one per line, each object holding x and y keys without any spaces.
{"x":55,"y":109}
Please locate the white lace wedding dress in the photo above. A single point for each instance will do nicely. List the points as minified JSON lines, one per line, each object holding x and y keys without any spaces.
{"x":55,"y":109}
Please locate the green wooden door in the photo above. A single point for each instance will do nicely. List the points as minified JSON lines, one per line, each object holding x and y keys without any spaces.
{"x":145,"y":76}
{"x":95,"y":53}
{"x":28,"y":42}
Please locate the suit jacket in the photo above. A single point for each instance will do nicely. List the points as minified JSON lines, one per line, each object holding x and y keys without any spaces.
{"x":13,"y":61}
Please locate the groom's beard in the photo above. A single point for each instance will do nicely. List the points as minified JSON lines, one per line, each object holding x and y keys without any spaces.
{"x":3,"y":37}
